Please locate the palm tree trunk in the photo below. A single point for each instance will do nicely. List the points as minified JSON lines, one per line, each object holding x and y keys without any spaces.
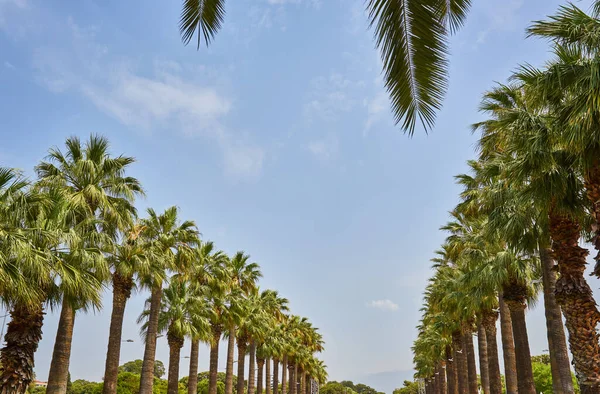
{"x":23,"y":334}
{"x":59,"y":366}
{"x":193,"y":374}
{"x":121,"y":291}
{"x":301,"y":377}
{"x":308,"y":384}
{"x":441,"y":379}
{"x":508,"y":348}
{"x":147,"y":376}
{"x":175,"y":345}
{"x":514,"y":296}
{"x":284,"y":369}
{"x":229,"y":367}
{"x":452,"y":385}
{"x":252,"y":368}
{"x":260,"y":362}
{"x":292,"y":369}
{"x":275,"y":376}
{"x":267,"y":376}
{"x":577,"y":302}
{"x":214,"y":360}
{"x":483,"y":359}
{"x":471,"y":364}
{"x":460,"y":359}
{"x":562,"y":382}
{"x":241,"y":345}
{"x":489,"y":324}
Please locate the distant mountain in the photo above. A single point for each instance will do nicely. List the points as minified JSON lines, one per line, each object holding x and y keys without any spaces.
{"x":387,"y":381}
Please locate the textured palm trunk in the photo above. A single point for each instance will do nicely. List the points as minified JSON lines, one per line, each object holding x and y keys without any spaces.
{"x":193,"y":374}
{"x":483,"y":359}
{"x":292,"y":370}
{"x":147,"y":376}
{"x":508,"y":348}
{"x":267,"y":376}
{"x":460,"y":360}
{"x":441,"y":379}
{"x":493,"y":363}
{"x":452,"y":385}
{"x":284,"y":369}
{"x":121,"y":292}
{"x":229,"y":367}
{"x":592,"y":189}
{"x":23,"y":334}
{"x":562,"y":382}
{"x":308,"y":384}
{"x":577,"y":302}
{"x":471,"y":364}
{"x":260,"y":362}
{"x":275,"y":376}
{"x":59,"y":366}
{"x":241,"y":346}
{"x":213,"y":368}
{"x":301,"y":378}
{"x":175,"y":345}
{"x":252,"y":368}
{"x":515,"y":295}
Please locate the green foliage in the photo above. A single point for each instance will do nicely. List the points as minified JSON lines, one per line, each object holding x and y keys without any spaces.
{"x":408,"y":388}
{"x":37,"y":390}
{"x":203,"y":387}
{"x":542,"y":359}
{"x":81,"y":386}
{"x":542,"y":377}
{"x":346,"y":387}
{"x":136,"y":367}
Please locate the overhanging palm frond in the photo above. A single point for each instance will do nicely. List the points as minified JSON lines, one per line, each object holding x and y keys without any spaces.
{"x":413,"y":42}
{"x":206,"y":16}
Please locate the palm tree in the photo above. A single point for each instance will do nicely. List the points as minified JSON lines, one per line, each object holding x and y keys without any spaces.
{"x":24,"y":276}
{"x":538,"y":167}
{"x":129,"y":259}
{"x":101,"y":195}
{"x":411,"y":35}
{"x":205,"y":261}
{"x":243,"y":276}
{"x":172,"y":244}
{"x":179,"y":316}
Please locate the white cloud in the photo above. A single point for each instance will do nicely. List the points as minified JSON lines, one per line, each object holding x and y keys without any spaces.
{"x":9,"y":65}
{"x":376,"y":108}
{"x":163,"y":98}
{"x":330,"y":96}
{"x":384,"y":305}
{"x":501,"y":16}
{"x":324,"y":149}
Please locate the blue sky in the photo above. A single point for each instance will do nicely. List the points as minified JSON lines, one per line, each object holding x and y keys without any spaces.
{"x":278,"y":140}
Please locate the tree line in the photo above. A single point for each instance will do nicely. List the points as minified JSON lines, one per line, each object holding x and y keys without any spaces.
{"x":529,"y":199}
{"x":74,"y":231}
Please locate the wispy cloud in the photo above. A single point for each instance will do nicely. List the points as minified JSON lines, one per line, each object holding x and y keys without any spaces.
{"x":9,"y":65}
{"x":384,"y":305}
{"x":376,"y":108}
{"x":331,"y":96}
{"x":324,"y":149}
{"x":160,"y":99}
{"x":501,"y":17}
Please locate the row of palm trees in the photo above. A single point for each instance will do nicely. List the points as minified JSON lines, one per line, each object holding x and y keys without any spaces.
{"x":531,"y":196}
{"x":74,"y":230}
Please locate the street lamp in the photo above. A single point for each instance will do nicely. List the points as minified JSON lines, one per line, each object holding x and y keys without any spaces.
{"x":128,"y":340}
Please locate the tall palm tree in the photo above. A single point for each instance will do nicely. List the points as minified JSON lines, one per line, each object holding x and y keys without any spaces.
{"x":206,"y":259}
{"x":536,"y":164}
{"x":180,"y":316}
{"x":172,"y":243}
{"x":412,"y":36}
{"x":128,"y":259}
{"x":25,"y":274}
{"x":96,"y":185}
{"x":243,"y":276}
